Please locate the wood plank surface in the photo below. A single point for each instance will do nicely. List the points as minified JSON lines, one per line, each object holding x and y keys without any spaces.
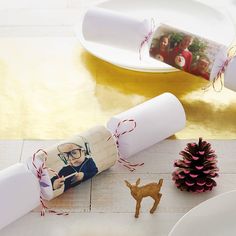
{"x":105,"y":202}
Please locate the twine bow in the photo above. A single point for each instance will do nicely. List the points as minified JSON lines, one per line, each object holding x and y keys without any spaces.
{"x":146,"y":38}
{"x":117,"y":134}
{"x":39,"y":174}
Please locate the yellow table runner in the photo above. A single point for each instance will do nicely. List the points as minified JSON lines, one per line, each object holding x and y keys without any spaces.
{"x":51,"y":88}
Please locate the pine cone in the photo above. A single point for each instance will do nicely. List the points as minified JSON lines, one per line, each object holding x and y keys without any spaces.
{"x":197,"y":168}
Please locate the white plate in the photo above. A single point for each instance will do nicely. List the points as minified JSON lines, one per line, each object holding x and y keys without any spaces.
{"x":192,"y":16}
{"x":214,"y":217}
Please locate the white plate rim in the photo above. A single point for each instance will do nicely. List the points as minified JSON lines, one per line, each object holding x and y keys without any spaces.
{"x":86,"y":44}
{"x":171,"y":233}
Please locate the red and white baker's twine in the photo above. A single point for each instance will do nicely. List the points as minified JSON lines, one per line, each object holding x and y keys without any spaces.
{"x":130,"y":166}
{"x":146,"y":38}
{"x":39,"y":172}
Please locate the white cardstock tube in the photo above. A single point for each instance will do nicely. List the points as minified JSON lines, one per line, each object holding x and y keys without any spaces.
{"x":20,"y":193}
{"x":155,"y":119}
{"x":114,"y":29}
{"x":76,"y":160}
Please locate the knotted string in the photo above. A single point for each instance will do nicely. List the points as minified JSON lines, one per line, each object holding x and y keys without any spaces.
{"x":130,"y":166}
{"x":222,"y":68}
{"x":147,"y":38}
{"x":39,"y":175}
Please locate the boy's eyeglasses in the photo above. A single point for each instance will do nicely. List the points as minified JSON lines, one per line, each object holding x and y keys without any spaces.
{"x":73,"y":154}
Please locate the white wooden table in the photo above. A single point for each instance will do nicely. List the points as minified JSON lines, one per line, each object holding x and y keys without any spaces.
{"x":104,"y":206}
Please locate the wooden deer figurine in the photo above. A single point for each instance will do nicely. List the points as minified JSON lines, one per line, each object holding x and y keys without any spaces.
{"x":149,"y":190}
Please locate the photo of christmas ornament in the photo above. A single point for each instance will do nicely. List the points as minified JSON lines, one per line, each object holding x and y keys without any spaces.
{"x":159,"y":57}
{"x":180,"y":61}
{"x":197,"y":168}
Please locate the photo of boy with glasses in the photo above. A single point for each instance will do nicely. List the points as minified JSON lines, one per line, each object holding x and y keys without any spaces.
{"x":79,"y":166}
